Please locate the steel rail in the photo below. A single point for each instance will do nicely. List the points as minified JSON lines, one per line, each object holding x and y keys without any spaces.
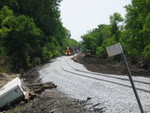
{"x":99,"y":79}
{"x":106,"y":75}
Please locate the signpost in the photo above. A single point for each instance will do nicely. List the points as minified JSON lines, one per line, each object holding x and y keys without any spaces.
{"x":116,"y":50}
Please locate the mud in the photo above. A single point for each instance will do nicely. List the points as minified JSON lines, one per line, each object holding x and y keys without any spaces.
{"x":107,"y":66}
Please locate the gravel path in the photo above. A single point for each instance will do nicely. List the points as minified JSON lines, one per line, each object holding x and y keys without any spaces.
{"x":111,"y":93}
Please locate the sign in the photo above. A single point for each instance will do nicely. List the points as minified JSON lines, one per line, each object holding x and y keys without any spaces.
{"x":115,"y":49}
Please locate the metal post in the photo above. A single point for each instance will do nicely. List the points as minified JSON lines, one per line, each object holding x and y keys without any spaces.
{"x":132,"y":83}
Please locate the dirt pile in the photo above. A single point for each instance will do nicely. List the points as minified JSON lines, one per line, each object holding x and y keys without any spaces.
{"x":53,"y":101}
{"x":100,"y":65}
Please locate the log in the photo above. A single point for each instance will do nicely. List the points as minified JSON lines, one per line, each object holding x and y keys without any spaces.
{"x":40,"y":87}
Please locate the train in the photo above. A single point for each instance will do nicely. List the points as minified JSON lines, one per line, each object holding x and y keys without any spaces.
{"x":71,"y":51}
{"x":68,"y":51}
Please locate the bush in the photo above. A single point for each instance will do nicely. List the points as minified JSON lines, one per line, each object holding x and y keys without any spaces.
{"x":5,"y":64}
{"x":101,"y":52}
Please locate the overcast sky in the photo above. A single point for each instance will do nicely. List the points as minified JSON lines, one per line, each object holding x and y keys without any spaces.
{"x":80,"y":16}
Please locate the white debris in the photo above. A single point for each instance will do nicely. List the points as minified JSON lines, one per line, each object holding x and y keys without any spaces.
{"x":11,"y":92}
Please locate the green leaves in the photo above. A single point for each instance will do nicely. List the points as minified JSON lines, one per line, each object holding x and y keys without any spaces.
{"x":134,"y":35}
{"x":114,"y":21}
{"x":31,"y":30}
{"x":20,"y":36}
{"x":23,"y":40}
{"x":146,"y":52}
{"x":138,"y":27}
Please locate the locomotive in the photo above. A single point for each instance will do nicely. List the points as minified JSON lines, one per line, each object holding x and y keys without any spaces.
{"x":68,"y":51}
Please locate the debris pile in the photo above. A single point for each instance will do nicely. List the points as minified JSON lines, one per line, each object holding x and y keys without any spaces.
{"x":14,"y":91}
{"x":38,"y":88}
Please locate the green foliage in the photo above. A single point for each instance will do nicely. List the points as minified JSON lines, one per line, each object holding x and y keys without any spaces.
{"x":22,"y":40}
{"x":5,"y":12}
{"x":134,"y":35}
{"x":101,"y":52}
{"x":146,"y":52}
{"x":88,"y":42}
{"x":46,"y":54}
{"x":98,"y":39}
{"x":114,"y":21}
{"x":68,"y":42}
{"x":55,"y":48}
{"x":138,"y":28}
{"x":31,"y":31}
{"x":20,"y":36}
{"x":45,"y":13}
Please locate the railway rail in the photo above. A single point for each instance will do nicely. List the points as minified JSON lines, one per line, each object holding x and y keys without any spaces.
{"x":106,"y":78}
{"x":106,"y":75}
{"x":113,"y":92}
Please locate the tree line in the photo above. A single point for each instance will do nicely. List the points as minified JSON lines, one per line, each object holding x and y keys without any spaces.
{"x":133,"y":32}
{"x":31,"y":32}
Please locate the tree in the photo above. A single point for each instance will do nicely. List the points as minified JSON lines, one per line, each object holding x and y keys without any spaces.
{"x":97,"y":39}
{"x":36,"y":26}
{"x":45,"y":13}
{"x":21,"y":38}
{"x":5,"y":14}
{"x":89,"y":42}
{"x":114,"y":21}
{"x":137,"y":26}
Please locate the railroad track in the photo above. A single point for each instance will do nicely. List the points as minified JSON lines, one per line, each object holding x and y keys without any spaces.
{"x":105,"y":77}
